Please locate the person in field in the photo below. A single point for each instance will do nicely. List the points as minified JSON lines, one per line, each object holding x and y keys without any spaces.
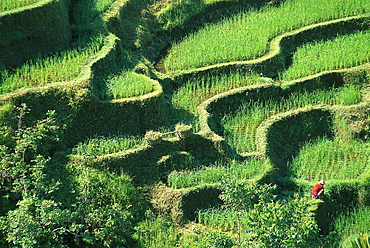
{"x":318,"y":189}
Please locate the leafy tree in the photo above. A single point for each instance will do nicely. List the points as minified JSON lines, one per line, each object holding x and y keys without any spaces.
{"x":273,"y":222}
{"x":284,"y":223}
{"x":103,"y":209}
{"x":242,"y":195}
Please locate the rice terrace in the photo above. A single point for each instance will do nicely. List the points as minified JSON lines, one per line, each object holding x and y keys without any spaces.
{"x":185,"y":123}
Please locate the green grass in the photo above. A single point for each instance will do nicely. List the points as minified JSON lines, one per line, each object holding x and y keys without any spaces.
{"x":245,"y":36}
{"x":129,"y":84}
{"x":106,"y":145}
{"x":331,"y":160}
{"x":177,"y":12}
{"x":339,"y":53}
{"x":214,"y":173}
{"x":198,"y":90}
{"x":6,"y":5}
{"x":240,"y":127}
{"x":86,"y":11}
{"x":61,"y":67}
{"x":226,"y":219}
{"x":350,"y":225}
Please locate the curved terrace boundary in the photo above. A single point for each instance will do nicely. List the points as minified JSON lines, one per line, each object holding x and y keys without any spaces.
{"x":274,"y":59}
{"x":206,"y":117}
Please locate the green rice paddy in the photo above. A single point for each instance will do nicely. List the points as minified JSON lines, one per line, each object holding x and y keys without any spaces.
{"x":240,"y":127}
{"x":246,"y":35}
{"x":339,"y":53}
{"x":332,"y":160}
{"x":61,"y":67}
{"x":6,"y":5}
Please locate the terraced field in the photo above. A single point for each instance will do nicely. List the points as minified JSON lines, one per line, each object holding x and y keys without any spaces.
{"x":205,"y":131}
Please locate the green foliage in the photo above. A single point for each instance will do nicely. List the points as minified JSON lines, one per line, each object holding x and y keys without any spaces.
{"x":106,"y":145}
{"x":361,"y":242}
{"x":217,"y":172}
{"x":129,"y":84}
{"x":6,"y":5}
{"x":156,"y":232}
{"x":36,"y":223}
{"x":207,"y":237}
{"x":243,"y":196}
{"x":339,"y":53}
{"x":229,"y":40}
{"x":254,"y":209}
{"x":102,"y":211}
{"x":61,"y":67}
{"x":22,"y":165}
{"x":352,"y":222}
{"x":331,"y":159}
{"x":285,"y":223}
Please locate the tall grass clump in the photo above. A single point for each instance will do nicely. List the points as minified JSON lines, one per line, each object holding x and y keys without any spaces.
{"x":85,"y":11}
{"x":6,"y":5}
{"x":106,"y":145}
{"x":214,"y":173}
{"x":61,"y":67}
{"x":129,"y":84}
{"x":244,"y":36}
{"x":198,"y":90}
{"x":349,"y":225}
{"x":331,"y":159}
{"x":339,"y":53}
{"x":240,"y":127}
{"x":227,"y":219}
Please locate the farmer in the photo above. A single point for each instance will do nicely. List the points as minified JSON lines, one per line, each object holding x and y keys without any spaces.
{"x":318,"y":189}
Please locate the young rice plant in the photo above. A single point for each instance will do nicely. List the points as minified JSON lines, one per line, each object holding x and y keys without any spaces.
{"x":196,"y":91}
{"x":241,"y":126}
{"x":6,"y":5}
{"x":339,"y":53}
{"x":62,"y":67}
{"x":244,"y":36}
{"x":129,"y":84}
{"x":213,"y":174}
{"x":106,"y":145}
{"x":332,"y":160}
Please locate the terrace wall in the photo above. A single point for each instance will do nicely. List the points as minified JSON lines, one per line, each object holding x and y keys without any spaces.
{"x":32,"y":31}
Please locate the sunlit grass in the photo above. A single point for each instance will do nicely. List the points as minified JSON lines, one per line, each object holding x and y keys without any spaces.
{"x":214,"y":173}
{"x":245,"y":36}
{"x":6,"y":5}
{"x":85,"y":11}
{"x":350,"y":225}
{"x":339,"y":53}
{"x":240,"y":128}
{"x":106,"y":145}
{"x":198,"y":90}
{"x":129,"y":84}
{"x":61,"y":67}
{"x":331,"y":160}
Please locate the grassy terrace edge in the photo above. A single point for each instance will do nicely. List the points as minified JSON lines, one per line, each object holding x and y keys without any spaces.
{"x":84,"y":75}
{"x":274,"y":50}
{"x":205,"y":108}
{"x":29,"y":6}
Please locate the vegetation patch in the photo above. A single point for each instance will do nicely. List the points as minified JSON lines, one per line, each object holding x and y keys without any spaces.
{"x":121,"y":155}
{"x":129,"y":84}
{"x":63,"y":67}
{"x":331,"y":159}
{"x":339,"y":53}
{"x":6,"y":5}
{"x":231,"y":41}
